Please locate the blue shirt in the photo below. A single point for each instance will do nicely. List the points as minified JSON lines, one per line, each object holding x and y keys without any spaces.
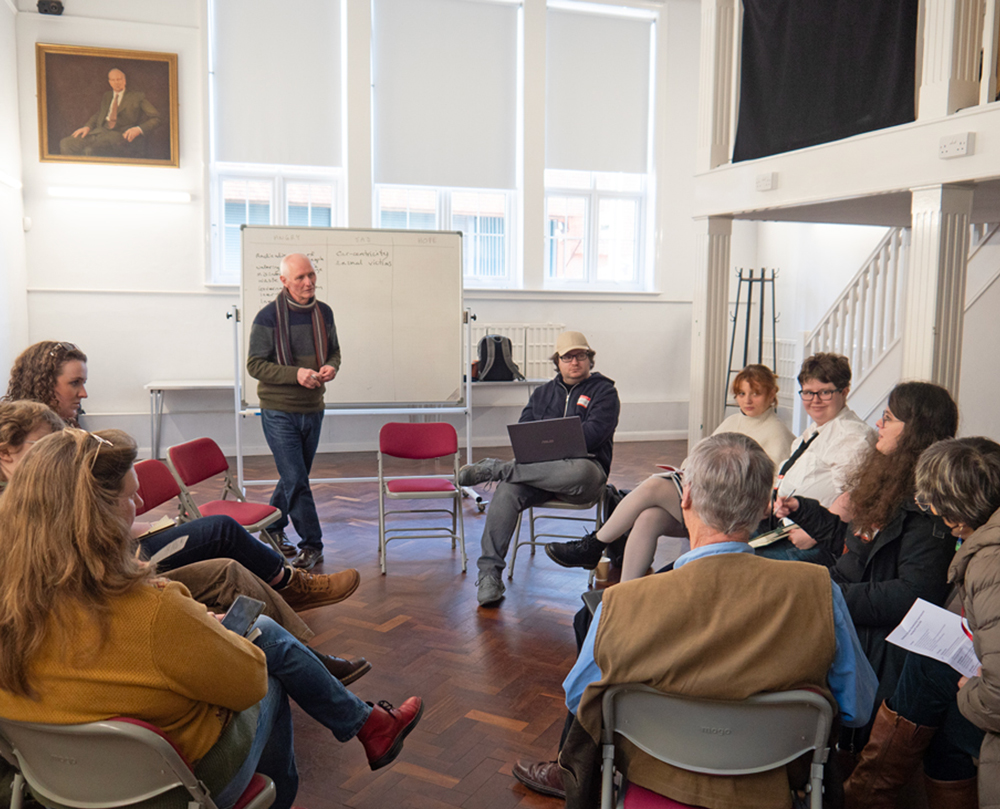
{"x":851,"y":678}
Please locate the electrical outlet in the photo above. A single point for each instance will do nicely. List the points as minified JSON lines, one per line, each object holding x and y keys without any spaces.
{"x":957,"y":145}
{"x":767,"y":181}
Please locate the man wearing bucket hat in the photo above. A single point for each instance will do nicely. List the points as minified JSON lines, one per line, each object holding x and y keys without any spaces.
{"x":577,"y":390}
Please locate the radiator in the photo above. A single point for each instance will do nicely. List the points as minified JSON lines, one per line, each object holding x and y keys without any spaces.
{"x":532,"y":344}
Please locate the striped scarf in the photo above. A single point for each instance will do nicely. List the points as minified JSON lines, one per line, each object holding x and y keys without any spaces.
{"x":283,"y":337}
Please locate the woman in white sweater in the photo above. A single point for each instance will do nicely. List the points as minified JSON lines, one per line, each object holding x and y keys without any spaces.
{"x":653,"y":509}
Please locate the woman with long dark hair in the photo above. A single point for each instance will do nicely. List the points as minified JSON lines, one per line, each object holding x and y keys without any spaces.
{"x":935,"y":714}
{"x":891,"y":553}
{"x":87,"y":633}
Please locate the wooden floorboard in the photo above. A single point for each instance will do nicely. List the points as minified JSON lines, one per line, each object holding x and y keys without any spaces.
{"x":490,"y":678}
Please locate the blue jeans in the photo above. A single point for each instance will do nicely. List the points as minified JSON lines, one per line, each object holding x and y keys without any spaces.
{"x":214,"y":538}
{"x":926,"y":694}
{"x":293,"y":671}
{"x":293,"y":438}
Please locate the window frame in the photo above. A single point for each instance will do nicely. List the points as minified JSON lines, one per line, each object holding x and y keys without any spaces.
{"x":593,"y":196}
{"x":444,"y":221}
{"x":279,"y":177}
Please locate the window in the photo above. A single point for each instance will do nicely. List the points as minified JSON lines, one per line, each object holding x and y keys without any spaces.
{"x":482,"y":216}
{"x":266,"y":195}
{"x":593,"y":232}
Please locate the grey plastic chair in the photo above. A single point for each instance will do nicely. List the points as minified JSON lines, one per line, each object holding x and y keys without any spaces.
{"x":717,"y":737}
{"x":114,"y":763}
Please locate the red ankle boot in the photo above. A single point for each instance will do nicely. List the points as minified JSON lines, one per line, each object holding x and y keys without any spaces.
{"x":382,"y":735}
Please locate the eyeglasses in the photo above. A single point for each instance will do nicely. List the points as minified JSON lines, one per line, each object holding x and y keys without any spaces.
{"x":888,"y":418}
{"x":822,"y":395}
{"x":922,"y":505}
{"x":64,"y":347}
{"x":101,"y":442}
{"x":580,"y":356}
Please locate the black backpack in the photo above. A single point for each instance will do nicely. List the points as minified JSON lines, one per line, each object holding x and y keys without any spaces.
{"x":495,"y":363}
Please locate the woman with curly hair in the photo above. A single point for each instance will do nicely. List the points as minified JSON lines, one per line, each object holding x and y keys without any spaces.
{"x":22,"y":425}
{"x":52,"y":373}
{"x":87,"y":633}
{"x":891,"y":553}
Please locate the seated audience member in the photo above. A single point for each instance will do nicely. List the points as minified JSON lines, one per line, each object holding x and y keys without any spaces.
{"x":214,"y":582}
{"x":653,"y":509}
{"x":935,"y":714}
{"x":577,"y":390}
{"x":824,"y":456}
{"x":56,"y":374}
{"x":88,"y":634}
{"x":891,"y":553}
{"x":775,"y":626}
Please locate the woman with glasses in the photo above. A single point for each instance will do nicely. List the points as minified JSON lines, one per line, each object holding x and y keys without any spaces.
{"x":823,"y":457}
{"x":52,"y":373}
{"x":653,"y":509}
{"x":87,"y":633}
{"x":891,"y":553}
{"x":935,"y":714}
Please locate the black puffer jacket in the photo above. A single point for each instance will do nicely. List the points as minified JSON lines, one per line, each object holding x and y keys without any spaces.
{"x":594,"y":400}
{"x":880,"y":580}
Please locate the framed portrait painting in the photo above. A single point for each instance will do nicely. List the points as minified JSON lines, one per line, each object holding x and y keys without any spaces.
{"x":104,"y":105}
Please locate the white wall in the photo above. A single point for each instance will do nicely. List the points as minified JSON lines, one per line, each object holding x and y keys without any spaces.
{"x":126,"y":281}
{"x":13,"y":303}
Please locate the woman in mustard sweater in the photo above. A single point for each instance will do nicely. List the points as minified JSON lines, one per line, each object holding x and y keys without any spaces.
{"x":86,"y":633}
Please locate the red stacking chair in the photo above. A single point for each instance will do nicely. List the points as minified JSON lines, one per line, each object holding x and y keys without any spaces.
{"x":202,"y":459}
{"x":419,"y":442}
{"x":157,"y":485}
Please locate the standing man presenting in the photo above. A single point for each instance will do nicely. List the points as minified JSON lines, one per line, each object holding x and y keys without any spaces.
{"x":293,"y":352}
{"x":576,"y":391}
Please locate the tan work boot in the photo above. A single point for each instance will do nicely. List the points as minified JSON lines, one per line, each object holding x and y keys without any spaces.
{"x":952,"y":794}
{"x":307,"y":590}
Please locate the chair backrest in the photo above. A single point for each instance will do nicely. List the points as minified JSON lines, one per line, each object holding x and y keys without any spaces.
{"x":110,"y":763}
{"x":197,"y":460}
{"x":418,"y":441}
{"x":156,"y":484}
{"x":721,"y":737}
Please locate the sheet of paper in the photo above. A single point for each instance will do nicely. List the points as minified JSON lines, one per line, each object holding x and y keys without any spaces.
{"x":935,"y":632}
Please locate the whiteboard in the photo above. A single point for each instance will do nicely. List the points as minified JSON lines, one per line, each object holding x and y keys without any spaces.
{"x":396,"y":297}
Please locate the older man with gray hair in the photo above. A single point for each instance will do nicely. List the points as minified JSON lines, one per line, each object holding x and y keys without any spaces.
{"x":722,"y":624}
{"x":293,"y":352}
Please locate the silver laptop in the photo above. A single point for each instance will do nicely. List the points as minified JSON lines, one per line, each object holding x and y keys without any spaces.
{"x":548,"y":440}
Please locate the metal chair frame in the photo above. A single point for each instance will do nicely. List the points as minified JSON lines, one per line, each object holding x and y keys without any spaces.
{"x":557,"y":505}
{"x":717,"y":737}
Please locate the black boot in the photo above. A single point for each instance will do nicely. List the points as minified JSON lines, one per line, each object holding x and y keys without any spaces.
{"x":585,"y":553}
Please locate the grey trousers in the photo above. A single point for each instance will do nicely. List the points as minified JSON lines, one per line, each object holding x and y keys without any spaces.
{"x":577,"y":480}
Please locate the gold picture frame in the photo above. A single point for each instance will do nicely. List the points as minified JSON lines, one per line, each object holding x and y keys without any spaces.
{"x":75,"y":96}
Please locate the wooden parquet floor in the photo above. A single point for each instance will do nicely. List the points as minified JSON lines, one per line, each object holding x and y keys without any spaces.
{"x":490,"y":678}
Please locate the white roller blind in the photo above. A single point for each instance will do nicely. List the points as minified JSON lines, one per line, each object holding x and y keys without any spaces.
{"x":445,"y":92}
{"x":277,"y":82}
{"x":597,"y":92}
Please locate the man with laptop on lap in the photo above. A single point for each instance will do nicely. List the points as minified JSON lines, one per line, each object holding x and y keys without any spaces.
{"x":576,"y":476}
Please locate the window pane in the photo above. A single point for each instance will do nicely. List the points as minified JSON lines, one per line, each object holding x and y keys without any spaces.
{"x":244,"y":202}
{"x":617,"y":240}
{"x":407,"y":208}
{"x":565,"y":238}
{"x":482,"y":218}
{"x":309,"y":204}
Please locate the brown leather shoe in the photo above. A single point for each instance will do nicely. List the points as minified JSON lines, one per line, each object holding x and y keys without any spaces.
{"x":541,"y":776}
{"x":347,"y":671}
{"x":307,"y":590}
{"x":383,"y":734}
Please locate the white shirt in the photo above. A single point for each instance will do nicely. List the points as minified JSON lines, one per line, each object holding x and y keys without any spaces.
{"x":766,"y":429}
{"x":821,"y":472}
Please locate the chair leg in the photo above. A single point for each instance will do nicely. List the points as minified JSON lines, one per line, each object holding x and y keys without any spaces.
{"x":513,"y":556}
{"x":270,"y":540}
{"x":461,"y":530}
{"x":381,"y":527}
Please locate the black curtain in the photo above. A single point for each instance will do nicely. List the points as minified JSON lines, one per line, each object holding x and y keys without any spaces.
{"x":814,"y":71}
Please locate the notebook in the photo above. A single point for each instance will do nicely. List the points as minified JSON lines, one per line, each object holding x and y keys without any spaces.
{"x":547,"y":440}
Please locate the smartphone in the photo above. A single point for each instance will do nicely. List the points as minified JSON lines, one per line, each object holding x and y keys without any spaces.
{"x":240,"y":616}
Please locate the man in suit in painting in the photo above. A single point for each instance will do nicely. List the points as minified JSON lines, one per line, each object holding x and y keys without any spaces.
{"x":124,"y":116}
